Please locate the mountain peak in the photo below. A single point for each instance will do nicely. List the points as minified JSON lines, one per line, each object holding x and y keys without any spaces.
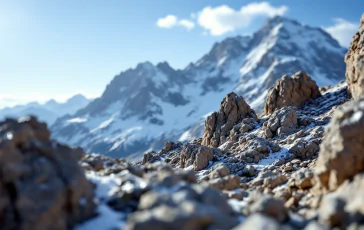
{"x":77,"y":98}
{"x":146,"y":103}
{"x":273,"y":21}
{"x":51,"y":102}
{"x":163,"y":65}
{"x":145,"y":66}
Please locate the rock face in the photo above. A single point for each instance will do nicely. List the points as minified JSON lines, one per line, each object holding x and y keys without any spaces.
{"x":218,"y":125}
{"x":281,"y":123}
{"x":197,"y":155}
{"x":341,"y":155}
{"x":291,"y":91}
{"x":305,"y":148}
{"x":354,"y":60}
{"x":344,"y":208}
{"x":42,"y":186}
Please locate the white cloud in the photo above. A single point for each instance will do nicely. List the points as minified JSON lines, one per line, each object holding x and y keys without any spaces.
{"x":171,"y":21}
{"x":343,"y":31}
{"x":189,"y":25}
{"x":223,"y":19}
{"x":167,"y":22}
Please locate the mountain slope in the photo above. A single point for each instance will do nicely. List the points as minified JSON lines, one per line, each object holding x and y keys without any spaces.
{"x":47,"y":112}
{"x":144,"y":106}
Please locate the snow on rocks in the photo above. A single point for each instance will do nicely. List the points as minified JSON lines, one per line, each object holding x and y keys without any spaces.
{"x":159,"y":198}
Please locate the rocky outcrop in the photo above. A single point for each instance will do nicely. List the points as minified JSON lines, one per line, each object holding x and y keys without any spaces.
{"x":291,"y":91}
{"x":354,"y":60}
{"x":304,"y":149}
{"x":218,"y":125}
{"x":341,"y":155}
{"x":282,"y":122}
{"x":42,"y":186}
{"x":197,"y":155}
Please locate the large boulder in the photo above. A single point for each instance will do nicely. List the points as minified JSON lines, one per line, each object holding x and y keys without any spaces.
{"x":342,"y":150}
{"x":354,"y":60}
{"x":218,"y":125}
{"x":291,"y":91}
{"x":42,"y":185}
{"x":282,"y":122}
{"x":197,"y":155}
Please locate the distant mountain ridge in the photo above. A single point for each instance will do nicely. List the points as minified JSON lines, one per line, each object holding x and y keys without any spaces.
{"x":146,"y":105}
{"x":47,"y":112}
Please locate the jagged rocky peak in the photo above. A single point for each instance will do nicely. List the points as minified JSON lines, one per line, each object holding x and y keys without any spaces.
{"x":218,"y":125}
{"x":136,"y":89}
{"x":354,"y":60}
{"x":291,"y":91}
{"x":227,"y":49}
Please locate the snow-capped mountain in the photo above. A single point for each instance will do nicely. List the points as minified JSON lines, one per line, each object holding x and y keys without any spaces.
{"x":144,"y":106}
{"x":47,"y":112}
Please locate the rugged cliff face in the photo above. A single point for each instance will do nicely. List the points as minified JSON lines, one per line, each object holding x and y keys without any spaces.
{"x":145,"y":106}
{"x":354,"y":60}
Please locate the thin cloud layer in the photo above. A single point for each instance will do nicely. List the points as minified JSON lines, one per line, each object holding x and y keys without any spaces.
{"x":343,"y":31}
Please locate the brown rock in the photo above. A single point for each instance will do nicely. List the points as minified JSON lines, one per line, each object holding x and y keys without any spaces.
{"x":291,"y":91}
{"x":282,"y":122}
{"x":218,"y":125}
{"x":274,"y":181}
{"x":341,"y":155}
{"x":203,"y":157}
{"x":262,"y":176}
{"x":354,"y":60}
{"x":304,"y":149}
{"x":197,"y":155}
{"x":303,"y":178}
{"x":146,"y":158}
{"x":229,"y":182}
{"x":42,"y":184}
{"x":219,"y":170}
{"x":288,"y":169}
{"x":269,"y":206}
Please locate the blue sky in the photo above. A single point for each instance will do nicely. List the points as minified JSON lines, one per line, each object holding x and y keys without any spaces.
{"x":54,"y":49}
